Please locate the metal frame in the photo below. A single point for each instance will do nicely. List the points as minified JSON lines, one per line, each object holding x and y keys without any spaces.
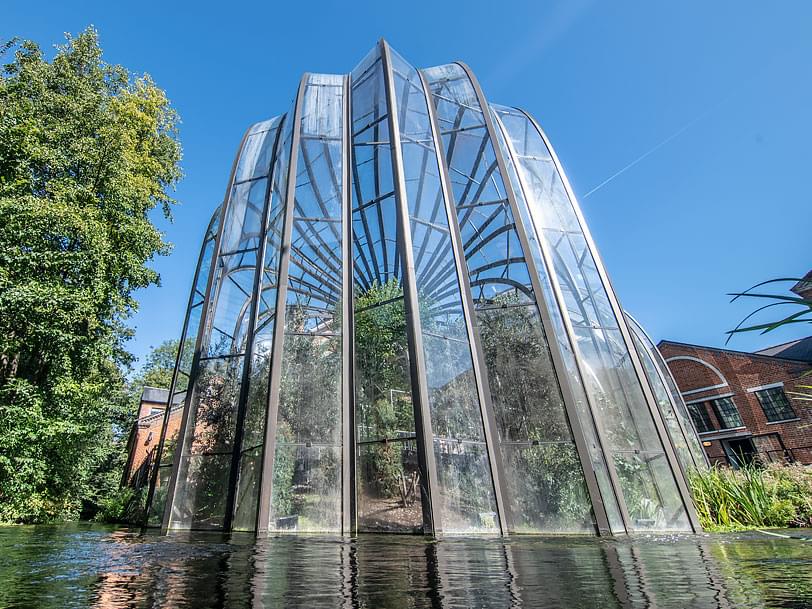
{"x":201,"y":332}
{"x":155,"y":467}
{"x":266,"y":478}
{"x":425,"y":437}
{"x":348,"y":501}
{"x":561,"y":304}
{"x":659,"y":367}
{"x":478,"y":359}
{"x":325,"y":274}
{"x":599,"y":509}
{"x":634,"y":357}
{"x":253,"y":304}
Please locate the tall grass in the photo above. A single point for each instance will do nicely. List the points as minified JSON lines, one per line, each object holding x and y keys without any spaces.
{"x":753,"y":497}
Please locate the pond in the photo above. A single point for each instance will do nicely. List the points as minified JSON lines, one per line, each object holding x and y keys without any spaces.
{"x":83,"y":565}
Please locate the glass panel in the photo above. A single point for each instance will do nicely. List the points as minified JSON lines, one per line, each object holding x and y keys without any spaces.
{"x":256,"y":405}
{"x":255,"y":159}
{"x":616,"y":394}
{"x":662,"y":396}
{"x":243,"y":222}
{"x":211,"y":425}
{"x":544,"y":494}
{"x":310,"y":394}
{"x":651,"y":504}
{"x":463,"y":469}
{"x":206,"y":453}
{"x":306,"y":493}
{"x":156,"y":509}
{"x":248,"y":490}
{"x":526,"y":397}
{"x":573,"y":374}
{"x":679,"y":411}
{"x":200,"y":502}
{"x":727,"y":413}
{"x":388,"y":478}
{"x":307,"y":478}
{"x":183,"y":369}
{"x":527,"y":401}
{"x":234,"y":284}
{"x":775,"y":404}
{"x":172,"y":429}
{"x":387,"y":473}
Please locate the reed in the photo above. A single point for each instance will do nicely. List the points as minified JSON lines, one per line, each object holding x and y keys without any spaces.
{"x":753,"y":497}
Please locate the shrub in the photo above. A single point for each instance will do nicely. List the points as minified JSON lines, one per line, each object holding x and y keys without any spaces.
{"x":115,"y":508}
{"x":753,"y":497}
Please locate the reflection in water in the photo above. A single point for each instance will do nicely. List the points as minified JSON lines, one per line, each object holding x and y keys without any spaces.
{"x":95,"y":566}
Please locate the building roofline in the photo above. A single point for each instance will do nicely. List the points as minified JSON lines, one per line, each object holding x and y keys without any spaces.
{"x":789,"y":342}
{"x":733,"y":351}
{"x":803,"y":286}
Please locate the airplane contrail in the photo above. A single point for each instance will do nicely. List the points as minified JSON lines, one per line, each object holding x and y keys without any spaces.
{"x":655,"y":148}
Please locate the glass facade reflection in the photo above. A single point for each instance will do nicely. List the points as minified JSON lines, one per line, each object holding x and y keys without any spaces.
{"x":399,"y":323}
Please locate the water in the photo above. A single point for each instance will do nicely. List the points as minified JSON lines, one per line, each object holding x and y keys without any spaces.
{"x":84,"y":565}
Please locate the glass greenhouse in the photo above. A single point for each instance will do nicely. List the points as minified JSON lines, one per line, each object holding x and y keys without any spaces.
{"x":399,"y":323}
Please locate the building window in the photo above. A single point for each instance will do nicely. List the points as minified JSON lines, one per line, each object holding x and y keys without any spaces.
{"x":775,"y":404}
{"x":700,"y":417}
{"x":727,"y":413}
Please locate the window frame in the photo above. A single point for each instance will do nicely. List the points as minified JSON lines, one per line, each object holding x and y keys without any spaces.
{"x":780,"y":389}
{"x":720,"y":419}
{"x":692,"y":406}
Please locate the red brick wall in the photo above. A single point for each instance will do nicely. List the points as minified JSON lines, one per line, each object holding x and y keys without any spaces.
{"x":143,"y":444}
{"x":743,"y":371}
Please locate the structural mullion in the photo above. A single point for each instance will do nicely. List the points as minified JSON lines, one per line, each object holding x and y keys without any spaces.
{"x":599,"y":509}
{"x":266,"y":483}
{"x":490,"y":431}
{"x":348,"y":499}
{"x":569,"y":397}
{"x":153,"y":479}
{"x":253,"y":313}
{"x":431,"y":500}
{"x":627,"y":339}
{"x":202,"y":331}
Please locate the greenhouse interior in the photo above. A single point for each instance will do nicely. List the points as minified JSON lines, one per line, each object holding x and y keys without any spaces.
{"x":399,"y":322}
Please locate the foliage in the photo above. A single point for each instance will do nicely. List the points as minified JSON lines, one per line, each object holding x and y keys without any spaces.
{"x":86,"y":152}
{"x":752,"y":497}
{"x":115,"y":507}
{"x":383,"y":389}
{"x":801,"y":315}
{"x":158,"y":367}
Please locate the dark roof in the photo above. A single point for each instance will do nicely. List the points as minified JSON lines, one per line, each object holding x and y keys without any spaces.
{"x":792,"y":358}
{"x":800,"y":349}
{"x":804,"y":287}
{"x":160,"y":396}
{"x":153,"y":394}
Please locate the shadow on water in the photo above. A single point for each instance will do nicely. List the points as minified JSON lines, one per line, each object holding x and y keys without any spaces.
{"x":96,"y":566}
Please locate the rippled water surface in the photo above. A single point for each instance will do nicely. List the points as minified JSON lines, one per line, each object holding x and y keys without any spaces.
{"x":96,"y":566}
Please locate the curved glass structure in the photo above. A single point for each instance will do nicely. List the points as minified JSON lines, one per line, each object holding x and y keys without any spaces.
{"x":400,"y":323}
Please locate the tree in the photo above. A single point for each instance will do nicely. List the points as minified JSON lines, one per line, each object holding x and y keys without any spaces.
{"x":87,"y":151}
{"x":158,"y":368}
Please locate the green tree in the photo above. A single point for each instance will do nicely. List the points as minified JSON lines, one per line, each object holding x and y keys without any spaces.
{"x":87,"y":151}
{"x":159,"y":366}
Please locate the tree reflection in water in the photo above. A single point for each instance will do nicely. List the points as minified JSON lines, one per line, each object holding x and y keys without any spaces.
{"x":94,"y":566}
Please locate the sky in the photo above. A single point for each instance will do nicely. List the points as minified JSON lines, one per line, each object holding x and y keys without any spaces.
{"x":684,"y":127}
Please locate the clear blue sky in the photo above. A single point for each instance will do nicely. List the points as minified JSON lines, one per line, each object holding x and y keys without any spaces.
{"x":722,"y":205}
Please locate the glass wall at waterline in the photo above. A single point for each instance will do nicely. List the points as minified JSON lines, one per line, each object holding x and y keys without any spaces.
{"x":675,"y":413}
{"x":399,"y":323}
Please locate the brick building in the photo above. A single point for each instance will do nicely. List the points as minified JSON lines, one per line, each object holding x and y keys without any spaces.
{"x":742,"y":403}
{"x":146,"y":432}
